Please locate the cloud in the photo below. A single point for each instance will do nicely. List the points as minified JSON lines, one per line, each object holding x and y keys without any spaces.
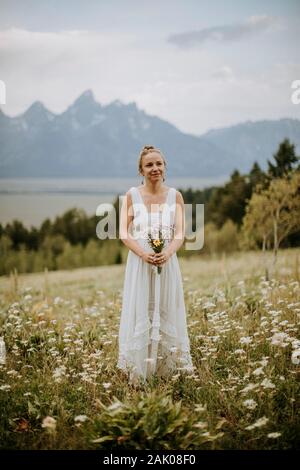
{"x":226,"y":33}
{"x":224,"y":73}
{"x":195,"y":91}
{"x":58,"y":66}
{"x":16,"y":41}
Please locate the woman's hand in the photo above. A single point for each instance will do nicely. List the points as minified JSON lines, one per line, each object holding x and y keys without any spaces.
{"x":161,"y":258}
{"x":149,"y":257}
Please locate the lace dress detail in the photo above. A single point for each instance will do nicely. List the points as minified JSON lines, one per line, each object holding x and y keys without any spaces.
{"x":153,"y":335}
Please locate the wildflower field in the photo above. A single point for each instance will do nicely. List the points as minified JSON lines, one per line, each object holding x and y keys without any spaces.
{"x":60,"y":388}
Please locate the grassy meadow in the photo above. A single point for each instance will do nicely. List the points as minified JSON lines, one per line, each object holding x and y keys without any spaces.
{"x":60,"y":388}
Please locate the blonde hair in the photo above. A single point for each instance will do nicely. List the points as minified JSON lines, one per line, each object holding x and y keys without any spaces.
{"x":148,"y":149}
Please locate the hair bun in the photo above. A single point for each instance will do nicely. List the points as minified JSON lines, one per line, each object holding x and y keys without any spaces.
{"x":148,"y":147}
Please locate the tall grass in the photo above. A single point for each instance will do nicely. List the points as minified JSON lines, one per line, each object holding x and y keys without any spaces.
{"x":60,"y":388}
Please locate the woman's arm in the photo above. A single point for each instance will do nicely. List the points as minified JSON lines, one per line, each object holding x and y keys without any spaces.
{"x":126,"y":218}
{"x":179,"y":233}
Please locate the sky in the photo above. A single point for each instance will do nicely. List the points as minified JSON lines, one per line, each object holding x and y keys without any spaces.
{"x":199,"y":64}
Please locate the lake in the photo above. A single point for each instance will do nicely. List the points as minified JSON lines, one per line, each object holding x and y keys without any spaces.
{"x":32,"y":200}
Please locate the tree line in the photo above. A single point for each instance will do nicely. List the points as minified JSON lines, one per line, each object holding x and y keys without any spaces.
{"x":255,"y":210}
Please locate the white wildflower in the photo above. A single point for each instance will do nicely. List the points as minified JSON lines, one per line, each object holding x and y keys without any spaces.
{"x":57,"y":300}
{"x":258,"y":371}
{"x":274,"y":435}
{"x":80,"y":418}
{"x":260,"y":422}
{"x":5,"y":388}
{"x":49,"y":423}
{"x":106,"y":385}
{"x":249,"y":388}
{"x":115,"y":406}
{"x":59,"y":373}
{"x":245,"y":340}
{"x":239,"y":351}
{"x":266,"y":383}
{"x":264,"y":361}
{"x":250,"y":404}
{"x":296,"y":357}
{"x":295,"y":343}
{"x":279,"y":339}
{"x":209,"y":305}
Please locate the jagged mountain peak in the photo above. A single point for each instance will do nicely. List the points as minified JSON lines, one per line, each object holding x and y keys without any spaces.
{"x":37,"y":113}
{"x":84,"y":110}
{"x":92,"y":140}
{"x":37,"y":106}
{"x":119,"y":104}
{"x":87,"y":97}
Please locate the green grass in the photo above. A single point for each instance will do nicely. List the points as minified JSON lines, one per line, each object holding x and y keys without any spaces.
{"x":61,"y":334}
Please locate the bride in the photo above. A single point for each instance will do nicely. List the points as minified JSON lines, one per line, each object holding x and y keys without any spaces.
{"x":153,"y":336}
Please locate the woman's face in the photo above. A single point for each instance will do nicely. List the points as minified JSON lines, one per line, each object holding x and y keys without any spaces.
{"x":153,"y":166}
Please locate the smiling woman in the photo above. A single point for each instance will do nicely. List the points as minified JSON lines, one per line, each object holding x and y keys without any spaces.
{"x":153,"y":334}
{"x":152,"y":163}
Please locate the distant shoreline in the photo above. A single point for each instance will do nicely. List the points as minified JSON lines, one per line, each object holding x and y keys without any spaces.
{"x":32,"y":200}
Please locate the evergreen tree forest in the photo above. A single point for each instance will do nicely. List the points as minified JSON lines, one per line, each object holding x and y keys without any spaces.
{"x":71,"y":240}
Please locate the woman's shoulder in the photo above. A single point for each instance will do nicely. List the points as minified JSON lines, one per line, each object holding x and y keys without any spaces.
{"x":128,"y":197}
{"x":179,"y":197}
{"x":129,"y":192}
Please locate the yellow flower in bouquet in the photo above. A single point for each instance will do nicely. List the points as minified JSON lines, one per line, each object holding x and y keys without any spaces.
{"x":157,"y":245}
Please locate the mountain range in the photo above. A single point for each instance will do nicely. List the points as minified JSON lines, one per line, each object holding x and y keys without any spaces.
{"x":92,"y":140}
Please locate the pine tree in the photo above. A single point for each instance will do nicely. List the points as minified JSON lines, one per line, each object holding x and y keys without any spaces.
{"x":285,"y":159}
{"x":257,"y":176}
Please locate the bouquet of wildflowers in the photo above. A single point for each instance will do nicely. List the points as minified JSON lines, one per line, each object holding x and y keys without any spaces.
{"x":156,"y":240}
{"x":157,"y":245}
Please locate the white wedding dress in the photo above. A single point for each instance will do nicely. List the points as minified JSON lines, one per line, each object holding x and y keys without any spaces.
{"x":153,"y":335}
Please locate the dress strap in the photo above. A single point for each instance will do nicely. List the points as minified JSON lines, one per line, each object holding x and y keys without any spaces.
{"x":137,"y":202}
{"x":172,"y":197}
{"x":134,"y":195}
